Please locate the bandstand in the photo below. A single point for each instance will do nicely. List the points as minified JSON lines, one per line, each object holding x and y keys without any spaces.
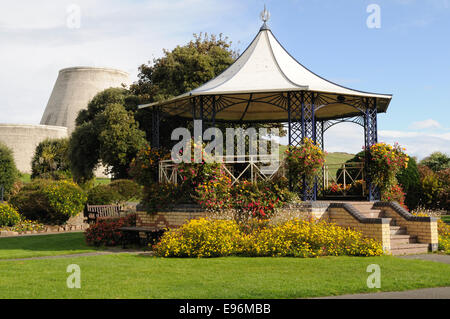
{"x":267,"y":85}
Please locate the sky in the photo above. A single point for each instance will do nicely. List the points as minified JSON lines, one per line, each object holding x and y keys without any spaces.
{"x":406,"y":52}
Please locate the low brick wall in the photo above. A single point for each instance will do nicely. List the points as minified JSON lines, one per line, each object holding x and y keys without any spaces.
{"x":172,"y":218}
{"x":376,"y":228}
{"x":425,"y":228}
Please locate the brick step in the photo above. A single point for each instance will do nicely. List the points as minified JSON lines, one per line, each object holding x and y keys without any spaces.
{"x":409,"y":249}
{"x":370,"y":213}
{"x":398,"y":230}
{"x":402,"y":239}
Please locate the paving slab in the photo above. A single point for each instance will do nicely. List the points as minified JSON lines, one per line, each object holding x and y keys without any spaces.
{"x":427,"y":293}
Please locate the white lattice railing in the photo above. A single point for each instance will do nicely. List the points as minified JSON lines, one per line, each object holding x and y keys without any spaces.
{"x":256,"y":167}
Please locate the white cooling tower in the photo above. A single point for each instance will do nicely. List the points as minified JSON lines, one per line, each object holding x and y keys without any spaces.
{"x":73,"y":90}
{"x":23,"y":139}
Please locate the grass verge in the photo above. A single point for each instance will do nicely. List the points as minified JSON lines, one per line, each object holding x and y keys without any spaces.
{"x":43,"y":245}
{"x":133,"y":276}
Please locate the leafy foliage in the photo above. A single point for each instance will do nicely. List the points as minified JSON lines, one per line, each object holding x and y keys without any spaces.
{"x":8,"y":170}
{"x":49,"y":201}
{"x":127,"y":189}
{"x":409,"y":179}
{"x":437,"y":161}
{"x":8,"y":215}
{"x":106,"y":133}
{"x":144,"y":167}
{"x":105,"y":232}
{"x":304,"y":161}
{"x":51,"y":160}
{"x":102,"y":195}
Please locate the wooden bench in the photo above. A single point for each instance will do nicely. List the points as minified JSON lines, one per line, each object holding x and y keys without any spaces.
{"x":132,"y":235}
{"x":96,"y":212}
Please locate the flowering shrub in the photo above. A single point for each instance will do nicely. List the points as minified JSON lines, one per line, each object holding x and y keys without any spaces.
{"x":8,"y":215}
{"x":214,"y":194}
{"x":394,"y":194}
{"x":105,"y":232}
{"x":49,"y":201}
{"x":304,"y":161}
{"x":65,"y":198}
{"x":252,"y":200}
{"x":214,"y":238}
{"x":444,"y":236}
{"x":144,"y":167}
{"x":200,"y":238}
{"x":385,"y":162}
{"x":309,"y":239}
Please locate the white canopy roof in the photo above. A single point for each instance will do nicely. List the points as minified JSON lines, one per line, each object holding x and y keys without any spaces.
{"x":266,"y":67}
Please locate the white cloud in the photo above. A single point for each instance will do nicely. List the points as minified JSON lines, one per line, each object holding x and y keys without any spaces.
{"x":35,"y":42}
{"x":348,"y":137}
{"x":430,"y":123}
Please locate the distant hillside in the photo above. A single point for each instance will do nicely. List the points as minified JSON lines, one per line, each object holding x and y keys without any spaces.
{"x":332,"y":158}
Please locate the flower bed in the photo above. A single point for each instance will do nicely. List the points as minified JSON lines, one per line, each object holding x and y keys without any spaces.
{"x":214,"y":238}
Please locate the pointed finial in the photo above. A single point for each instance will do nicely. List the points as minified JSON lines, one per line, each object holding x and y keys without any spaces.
{"x":265,"y":16}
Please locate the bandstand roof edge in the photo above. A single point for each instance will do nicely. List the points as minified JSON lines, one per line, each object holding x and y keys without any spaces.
{"x":256,"y":86}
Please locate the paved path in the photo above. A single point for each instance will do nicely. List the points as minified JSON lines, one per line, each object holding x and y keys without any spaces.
{"x":431,"y":257}
{"x":428,"y":293}
{"x":95,"y":253}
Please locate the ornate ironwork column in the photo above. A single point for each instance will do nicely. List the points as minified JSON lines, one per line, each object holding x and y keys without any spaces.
{"x":301,"y":125}
{"x":371,"y":138}
{"x":156,"y":117}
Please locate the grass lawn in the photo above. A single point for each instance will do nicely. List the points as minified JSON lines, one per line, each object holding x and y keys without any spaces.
{"x":25,"y":177}
{"x":134,"y":276}
{"x":43,"y":245}
{"x":446,"y":219}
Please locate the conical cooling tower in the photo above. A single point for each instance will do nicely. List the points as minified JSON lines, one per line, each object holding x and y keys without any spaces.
{"x":73,"y":90}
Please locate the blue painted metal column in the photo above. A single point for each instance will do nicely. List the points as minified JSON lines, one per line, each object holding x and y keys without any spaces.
{"x":371,"y":138}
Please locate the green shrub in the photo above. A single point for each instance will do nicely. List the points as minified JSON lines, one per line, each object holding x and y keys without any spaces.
{"x":8,"y":170}
{"x":126,"y":188}
{"x":103,"y":195}
{"x":51,"y":160}
{"x":8,"y":215}
{"x":409,"y":179}
{"x":49,"y":201}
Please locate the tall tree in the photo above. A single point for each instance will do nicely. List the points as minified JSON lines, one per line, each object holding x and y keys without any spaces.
{"x":106,"y":133}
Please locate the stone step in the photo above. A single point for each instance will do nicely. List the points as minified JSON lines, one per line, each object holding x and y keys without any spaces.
{"x":409,"y":249}
{"x":402,"y":239}
{"x":398,"y":230}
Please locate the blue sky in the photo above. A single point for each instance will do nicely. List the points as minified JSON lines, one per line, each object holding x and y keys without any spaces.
{"x":409,"y":56}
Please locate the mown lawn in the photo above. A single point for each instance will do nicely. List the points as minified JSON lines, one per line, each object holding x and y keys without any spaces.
{"x":43,"y":245}
{"x":446,"y":219}
{"x":133,"y":276}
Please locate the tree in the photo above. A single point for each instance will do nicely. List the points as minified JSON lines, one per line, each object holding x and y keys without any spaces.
{"x":437,"y":161}
{"x":184,"y":68}
{"x":51,"y":160}
{"x":8,"y":170}
{"x":409,"y":180}
{"x":107,"y":133}
{"x":84,"y":152}
{"x":120,"y":139}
